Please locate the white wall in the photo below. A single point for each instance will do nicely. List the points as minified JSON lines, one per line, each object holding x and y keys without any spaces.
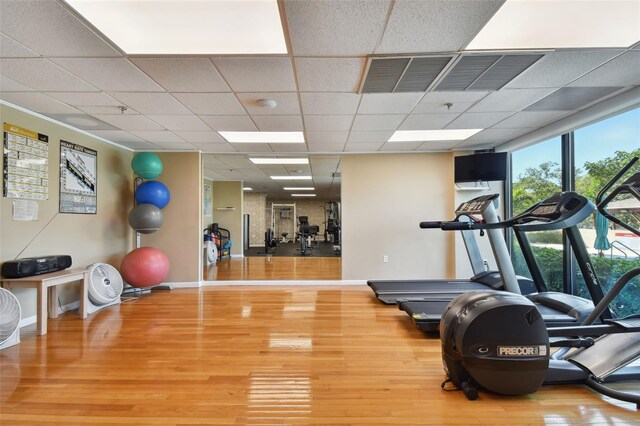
{"x":384,"y":198}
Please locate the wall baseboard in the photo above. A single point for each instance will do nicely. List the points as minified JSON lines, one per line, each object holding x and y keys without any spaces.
{"x":61,"y":310}
{"x":187,"y":284}
{"x":286,"y":283}
{"x":237,"y":256}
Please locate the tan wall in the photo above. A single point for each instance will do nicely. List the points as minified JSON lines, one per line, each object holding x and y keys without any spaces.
{"x":103,"y":237}
{"x":180,"y":236}
{"x":255,"y":205}
{"x":229,"y":194}
{"x":384,"y":198}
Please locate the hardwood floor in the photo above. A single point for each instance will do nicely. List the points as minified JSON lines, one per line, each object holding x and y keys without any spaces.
{"x":234,"y":355}
{"x":275,"y":268}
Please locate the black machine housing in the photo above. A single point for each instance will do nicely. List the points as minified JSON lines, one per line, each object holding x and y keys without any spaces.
{"x":29,"y":266}
{"x":496,"y":340}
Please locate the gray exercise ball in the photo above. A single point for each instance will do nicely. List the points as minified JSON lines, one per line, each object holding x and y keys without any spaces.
{"x":145,"y":218}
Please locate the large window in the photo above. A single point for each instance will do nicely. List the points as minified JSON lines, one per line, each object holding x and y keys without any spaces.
{"x":599,"y":151}
{"x":537,"y":175}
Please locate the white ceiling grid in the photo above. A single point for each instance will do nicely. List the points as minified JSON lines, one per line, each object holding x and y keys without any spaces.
{"x":53,"y":63}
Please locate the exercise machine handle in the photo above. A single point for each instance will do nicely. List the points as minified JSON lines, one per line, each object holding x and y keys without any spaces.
{"x":456,"y":226}
{"x":430,"y":225}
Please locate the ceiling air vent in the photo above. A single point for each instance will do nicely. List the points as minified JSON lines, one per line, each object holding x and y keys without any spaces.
{"x":406,"y":74}
{"x":485,"y":72}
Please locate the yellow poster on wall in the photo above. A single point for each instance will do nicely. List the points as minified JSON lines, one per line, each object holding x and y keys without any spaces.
{"x":25,"y":163}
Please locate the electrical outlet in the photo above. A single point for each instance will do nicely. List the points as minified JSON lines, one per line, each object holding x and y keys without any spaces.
{"x":385,"y":258}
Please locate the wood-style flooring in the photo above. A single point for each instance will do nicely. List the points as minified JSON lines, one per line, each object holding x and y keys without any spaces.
{"x":275,"y":268}
{"x":233,"y":355}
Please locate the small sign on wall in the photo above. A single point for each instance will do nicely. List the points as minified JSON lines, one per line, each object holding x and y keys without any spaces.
{"x":25,"y":163}
{"x":78,"y":179}
{"x":207,"y":201}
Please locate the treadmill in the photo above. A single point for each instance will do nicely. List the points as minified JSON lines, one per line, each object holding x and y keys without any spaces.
{"x":391,"y":292}
{"x":563,"y":210}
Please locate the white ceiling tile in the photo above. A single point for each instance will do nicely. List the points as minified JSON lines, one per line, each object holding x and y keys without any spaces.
{"x":179,"y":122}
{"x":109,"y":74}
{"x":231,"y":123}
{"x":510,"y":100}
{"x":157,"y":136}
{"x":287,"y":103}
{"x":211,"y":103}
{"x":82,"y":121}
{"x":252,"y":147}
{"x":10,"y":48}
{"x":330,"y":103}
{"x":467,"y":145}
{"x":530,"y":119}
{"x":477,"y":120}
{"x":183,"y":74}
{"x":279,"y":123}
{"x":326,"y":28}
{"x":497,"y":136}
{"x":400,"y":146}
{"x":329,"y":74}
{"x":108,"y":110}
{"x":118,"y":136}
{"x":151,"y":103}
{"x":388,"y":103}
{"x":556,"y":69}
{"x":327,"y":138}
{"x":201,"y":137}
{"x":9,"y":85}
{"x":140,"y":146}
{"x":130,"y":122}
{"x":38,"y":102}
{"x":452,"y":97}
{"x":370,"y":137}
{"x":437,"y":146}
{"x":42,"y":74}
{"x":50,"y":29}
{"x":441,"y":108}
{"x":362,"y":147}
{"x":326,"y":148}
{"x":621,"y":71}
{"x":216,"y":147}
{"x":84,"y":98}
{"x":253,"y":74}
{"x":435,"y":26}
{"x":289,"y":147}
{"x":327,"y":123}
{"x":378,"y":122}
{"x":427,"y":121}
{"x":179,"y":146}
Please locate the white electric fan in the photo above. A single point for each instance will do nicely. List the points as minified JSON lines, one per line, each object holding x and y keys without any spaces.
{"x":9,"y":319}
{"x":105,"y":286}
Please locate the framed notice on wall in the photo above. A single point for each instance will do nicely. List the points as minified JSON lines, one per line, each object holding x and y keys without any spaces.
{"x":207,"y":209}
{"x":25,"y":163}
{"x":78,"y":179}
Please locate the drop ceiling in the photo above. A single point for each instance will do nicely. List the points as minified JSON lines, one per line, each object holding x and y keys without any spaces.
{"x":54,"y":63}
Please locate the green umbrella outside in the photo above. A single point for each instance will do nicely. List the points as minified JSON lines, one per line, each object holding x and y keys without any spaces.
{"x":602,"y":228}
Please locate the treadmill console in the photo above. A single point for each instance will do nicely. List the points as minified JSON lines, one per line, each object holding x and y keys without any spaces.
{"x":476,"y":205}
{"x":561,"y":210}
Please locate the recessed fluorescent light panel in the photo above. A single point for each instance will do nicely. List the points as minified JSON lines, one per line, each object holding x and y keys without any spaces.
{"x":291,"y":177}
{"x":263,"y":137}
{"x":526,"y":24}
{"x":279,"y":160}
{"x":307,"y":188}
{"x":246,"y":188}
{"x":432,"y":135}
{"x":303,"y":195}
{"x":198,"y":27}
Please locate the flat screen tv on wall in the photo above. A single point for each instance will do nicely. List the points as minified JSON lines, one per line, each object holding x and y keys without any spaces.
{"x":481,"y":167}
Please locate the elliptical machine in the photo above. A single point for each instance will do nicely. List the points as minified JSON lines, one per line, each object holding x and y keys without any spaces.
{"x":517,"y":360}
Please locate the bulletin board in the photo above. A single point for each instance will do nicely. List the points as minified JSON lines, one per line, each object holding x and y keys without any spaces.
{"x":25,"y":163}
{"x":78,"y":179}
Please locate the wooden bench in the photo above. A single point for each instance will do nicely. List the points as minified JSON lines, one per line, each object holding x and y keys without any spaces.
{"x":46,"y":287}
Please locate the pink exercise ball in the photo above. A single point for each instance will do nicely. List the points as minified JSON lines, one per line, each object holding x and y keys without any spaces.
{"x":144,"y":267}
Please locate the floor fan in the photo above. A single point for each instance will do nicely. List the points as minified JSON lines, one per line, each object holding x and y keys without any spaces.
{"x":9,"y":319}
{"x":105,"y":286}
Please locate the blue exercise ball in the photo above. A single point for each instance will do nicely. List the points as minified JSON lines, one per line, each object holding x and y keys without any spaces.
{"x":153,"y":192}
{"x":147,"y":165}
